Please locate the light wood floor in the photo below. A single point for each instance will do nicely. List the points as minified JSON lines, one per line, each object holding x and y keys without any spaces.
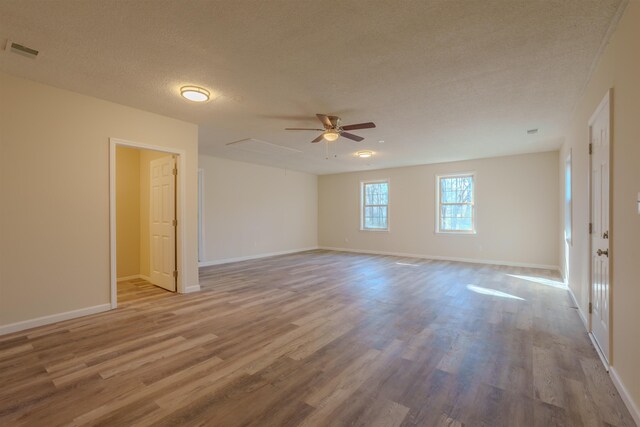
{"x":319,"y":339}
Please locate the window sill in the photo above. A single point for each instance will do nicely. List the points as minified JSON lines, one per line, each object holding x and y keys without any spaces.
{"x":376,"y":230}
{"x":457,"y":233}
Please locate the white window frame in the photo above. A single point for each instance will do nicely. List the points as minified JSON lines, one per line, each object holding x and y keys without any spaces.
{"x":362,"y":200}
{"x":473,"y":204}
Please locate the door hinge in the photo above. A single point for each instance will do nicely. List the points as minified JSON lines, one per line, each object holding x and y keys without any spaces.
{"x":175,"y":171}
{"x":175,"y":222}
{"x":590,"y":148}
{"x":590,"y":308}
{"x":175,"y":273}
{"x":590,"y":228}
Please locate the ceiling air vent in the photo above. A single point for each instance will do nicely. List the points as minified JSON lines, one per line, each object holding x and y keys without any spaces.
{"x":21,"y":49}
{"x":532,"y":131}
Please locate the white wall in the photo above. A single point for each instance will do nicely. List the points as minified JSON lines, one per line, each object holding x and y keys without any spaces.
{"x":252,"y":210}
{"x":516,"y":207}
{"x":618,"y":68}
{"x":54,"y":195}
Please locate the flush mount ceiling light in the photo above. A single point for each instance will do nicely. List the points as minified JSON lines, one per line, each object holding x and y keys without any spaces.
{"x":195,"y":93}
{"x":364,"y":154}
{"x":331,"y":135}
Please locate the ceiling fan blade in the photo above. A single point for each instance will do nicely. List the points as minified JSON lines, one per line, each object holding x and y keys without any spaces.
{"x":318,"y":139}
{"x":325,"y":120}
{"x":367,"y":125}
{"x":321,"y":130}
{"x":351,"y":136}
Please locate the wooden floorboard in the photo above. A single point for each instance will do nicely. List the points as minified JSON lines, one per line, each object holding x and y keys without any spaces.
{"x":319,"y":338}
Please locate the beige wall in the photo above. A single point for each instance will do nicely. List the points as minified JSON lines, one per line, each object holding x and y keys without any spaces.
{"x":252,"y":210}
{"x":516,"y":201}
{"x":127,"y":211}
{"x":146,"y":156}
{"x":618,"y":68}
{"x":54,"y":192}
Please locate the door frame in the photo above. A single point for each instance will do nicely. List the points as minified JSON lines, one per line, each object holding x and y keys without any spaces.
{"x":180,"y":210}
{"x":201,"y":255}
{"x":607,"y":101}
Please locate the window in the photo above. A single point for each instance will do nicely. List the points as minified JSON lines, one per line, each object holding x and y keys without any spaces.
{"x":375,"y":205}
{"x":455,"y":203}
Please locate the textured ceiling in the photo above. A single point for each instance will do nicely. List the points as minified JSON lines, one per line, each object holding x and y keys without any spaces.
{"x":443,"y":80}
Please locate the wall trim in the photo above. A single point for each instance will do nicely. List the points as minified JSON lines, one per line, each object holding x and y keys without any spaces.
{"x":250,"y":257}
{"x":626,"y":396}
{"x":585,"y":322}
{"x":445,"y":258}
{"x":125,"y":278}
{"x":135,"y":276}
{"x":189,"y":289}
{"x":617,"y":381}
{"x":564,"y":276}
{"x":613,"y":26}
{"x":605,"y":363}
{"x":201,"y":231}
{"x":181,"y":209}
{"x":52,"y":318}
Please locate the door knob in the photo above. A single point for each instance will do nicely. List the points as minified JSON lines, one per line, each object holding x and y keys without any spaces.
{"x":600,"y":252}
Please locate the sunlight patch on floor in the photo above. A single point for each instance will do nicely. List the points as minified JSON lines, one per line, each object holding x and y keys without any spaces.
{"x":492,"y":292}
{"x":541,"y":281}
{"x":407,"y":264}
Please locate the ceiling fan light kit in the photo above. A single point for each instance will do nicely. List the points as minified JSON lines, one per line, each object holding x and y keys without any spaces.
{"x":331,"y":135}
{"x":333,"y":129}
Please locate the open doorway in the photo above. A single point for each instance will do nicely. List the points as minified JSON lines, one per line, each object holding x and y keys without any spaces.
{"x":145,"y":210}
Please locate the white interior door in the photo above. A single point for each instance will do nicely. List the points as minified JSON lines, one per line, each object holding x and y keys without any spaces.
{"x":600,"y":260}
{"x":162,"y":223}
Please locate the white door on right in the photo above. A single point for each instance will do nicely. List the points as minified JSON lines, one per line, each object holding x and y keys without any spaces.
{"x":600,"y":133}
{"x":162,"y":222}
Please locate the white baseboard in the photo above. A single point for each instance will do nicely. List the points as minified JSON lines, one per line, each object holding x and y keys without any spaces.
{"x":624,"y":393}
{"x":189,"y":289}
{"x":444,"y":258}
{"x":626,"y":397}
{"x":563,"y":275}
{"x":53,"y":318}
{"x":133,"y":277}
{"x":594,"y":343}
{"x":250,"y":257}
{"x":585,"y":322}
